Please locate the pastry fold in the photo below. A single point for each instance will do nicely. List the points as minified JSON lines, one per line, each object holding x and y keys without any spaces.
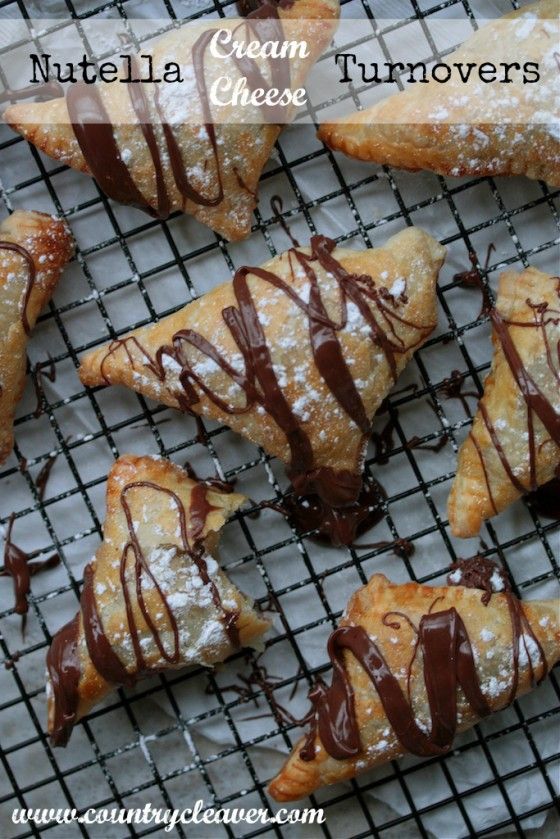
{"x":421,"y":645}
{"x":444,"y":127}
{"x":159,"y":160}
{"x":514,"y":443}
{"x":153,"y":599}
{"x":34,"y":248}
{"x":296,"y":355}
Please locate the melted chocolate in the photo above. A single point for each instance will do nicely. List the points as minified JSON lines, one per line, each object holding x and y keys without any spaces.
{"x":43,"y":477}
{"x":480,"y":573}
{"x":258,"y":380}
{"x":18,"y":566}
{"x":213,"y":483}
{"x":546,"y":499}
{"x":277,"y":205}
{"x":21,"y":251}
{"x":95,"y":133}
{"x":339,"y":526}
{"x":448,"y":662}
{"x":452,"y":388}
{"x":63,"y":667}
{"x":62,"y":660}
{"x":536,"y":401}
{"x":474,"y":279}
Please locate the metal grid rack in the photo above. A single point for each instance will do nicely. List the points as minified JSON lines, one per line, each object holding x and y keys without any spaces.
{"x":347,"y":187}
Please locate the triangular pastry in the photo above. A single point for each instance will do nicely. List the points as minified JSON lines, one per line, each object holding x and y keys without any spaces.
{"x":445,"y":127}
{"x":34,"y":247}
{"x":153,"y":597}
{"x":296,"y":355}
{"x":413,"y":665}
{"x":154,"y":145}
{"x":514,"y":443}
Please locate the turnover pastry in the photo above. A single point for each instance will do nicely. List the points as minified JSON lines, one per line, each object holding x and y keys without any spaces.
{"x":155,"y":146}
{"x":296,"y":355}
{"x":514,"y":444}
{"x":413,"y":665}
{"x":153,"y":597}
{"x":445,"y":127}
{"x":34,"y":247}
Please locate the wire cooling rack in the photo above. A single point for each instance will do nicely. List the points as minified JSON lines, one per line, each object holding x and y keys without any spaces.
{"x":190,"y":735}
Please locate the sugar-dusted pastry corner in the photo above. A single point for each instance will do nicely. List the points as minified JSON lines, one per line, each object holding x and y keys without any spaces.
{"x":129,"y":139}
{"x":462,"y":652}
{"x":154,"y":598}
{"x":513,"y":446}
{"x":445,"y":128}
{"x":34,"y":248}
{"x":295,"y":355}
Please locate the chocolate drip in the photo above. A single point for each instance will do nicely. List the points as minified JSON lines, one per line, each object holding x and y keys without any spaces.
{"x":538,"y":405}
{"x":448,"y":662}
{"x":546,"y":499}
{"x":32,"y":274}
{"x":39,"y":370}
{"x":18,"y":566}
{"x":339,"y":526}
{"x":259,"y":382}
{"x":473,"y":279}
{"x":62,"y":661}
{"x":277,"y":205}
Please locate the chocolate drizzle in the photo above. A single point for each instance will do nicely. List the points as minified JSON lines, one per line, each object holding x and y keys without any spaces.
{"x":94,"y":130}
{"x":63,"y":659}
{"x":538,"y":404}
{"x":474,"y":279}
{"x":258,"y":380}
{"x":18,"y":566}
{"x":448,"y":663}
{"x":31,"y":276}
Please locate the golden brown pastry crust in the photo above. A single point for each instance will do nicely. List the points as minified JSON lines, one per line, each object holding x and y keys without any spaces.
{"x":410,"y":261}
{"x":147,"y":484}
{"x":48,"y":242}
{"x":482,"y":487}
{"x":405,"y":131}
{"x":243,"y":148}
{"x":489,"y":628}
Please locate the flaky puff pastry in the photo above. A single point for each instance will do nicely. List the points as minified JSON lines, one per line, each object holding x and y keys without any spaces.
{"x":445,"y":127}
{"x":216,"y":183}
{"x":390,"y":617}
{"x":34,"y":248}
{"x":296,"y":355}
{"x":154,"y":598}
{"x":514,"y":444}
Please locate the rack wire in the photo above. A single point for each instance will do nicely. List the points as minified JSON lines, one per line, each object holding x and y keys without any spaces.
{"x":175,"y":761}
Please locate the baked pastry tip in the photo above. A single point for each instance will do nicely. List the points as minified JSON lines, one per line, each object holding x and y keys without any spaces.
{"x":413,"y":665}
{"x":132,"y":139}
{"x":445,"y":128}
{"x":513,"y":446}
{"x":153,"y":598}
{"x":296,"y":355}
{"x":34,"y":248}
